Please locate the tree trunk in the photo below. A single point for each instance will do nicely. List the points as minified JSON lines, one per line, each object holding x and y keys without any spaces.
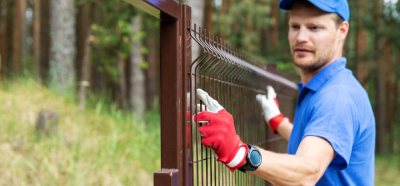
{"x":62,"y":34}
{"x":396,"y":93}
{"x":153,"y":59}
{"x":3,"y":37}
{"x":137,"y":78}
{"x":362,"y":69}
{"x":45,"y":41}
{"x":82,"y":34}
{"x":47,"y":123}
{"x":275,"y":23}
{"x":381,"y":111}
{"x":381,"y":106}
{"x":208,"y":13}
{"x":122,"y":98}
{"x":36,"y":38}
{"x":19,"y":34}
{"x":387,"y":53}
{"x":151,"y":72}
{"x":197,"y":18}
{"x":85,"y":82}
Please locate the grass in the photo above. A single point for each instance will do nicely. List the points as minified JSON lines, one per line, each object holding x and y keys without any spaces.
{"x":103,"y":146}
{"x":387,"y":170}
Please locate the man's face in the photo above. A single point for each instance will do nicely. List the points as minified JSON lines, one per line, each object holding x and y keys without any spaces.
{"x":313,"y":38}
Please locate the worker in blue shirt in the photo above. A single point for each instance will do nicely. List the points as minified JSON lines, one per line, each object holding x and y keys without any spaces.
{"x":332,"y":138}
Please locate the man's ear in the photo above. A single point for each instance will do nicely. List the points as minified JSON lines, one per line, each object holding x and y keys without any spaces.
{"x":343,"y":30}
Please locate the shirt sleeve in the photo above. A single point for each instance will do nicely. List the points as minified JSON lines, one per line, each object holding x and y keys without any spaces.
{"x":332,"y":118}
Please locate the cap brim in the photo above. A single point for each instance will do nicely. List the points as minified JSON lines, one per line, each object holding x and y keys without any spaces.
{"x":288,"y":4}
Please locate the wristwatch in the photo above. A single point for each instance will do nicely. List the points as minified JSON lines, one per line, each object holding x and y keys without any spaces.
{"x":253,"y":159}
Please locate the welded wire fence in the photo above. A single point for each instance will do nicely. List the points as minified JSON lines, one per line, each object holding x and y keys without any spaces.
{"x":233,"y":79}
{"x":229,"y":76}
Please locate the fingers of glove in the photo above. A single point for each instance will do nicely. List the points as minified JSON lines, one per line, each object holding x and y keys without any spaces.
{"x":198,"y":110}
{"x":271,"y":93}
{"x":205,"y":130}
{"x":262,"y":99}
{"x":203,"y":116}
{"x":210,"y":103}
{"x":259,"y":98}
{"x":210,"y":142}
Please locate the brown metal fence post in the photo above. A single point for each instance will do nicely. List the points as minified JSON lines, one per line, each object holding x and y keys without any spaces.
{"x":174,"y":35}
{"x":173,"y":100}
{"x":171,"y":97}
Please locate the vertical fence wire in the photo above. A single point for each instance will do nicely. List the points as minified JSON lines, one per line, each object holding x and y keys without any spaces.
{"x":228,"y":76}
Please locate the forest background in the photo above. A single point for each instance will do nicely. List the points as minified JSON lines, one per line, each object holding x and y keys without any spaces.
{"x":96,"y":63}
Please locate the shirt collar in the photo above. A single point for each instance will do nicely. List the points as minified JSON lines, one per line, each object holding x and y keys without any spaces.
{"x":324,"y":75}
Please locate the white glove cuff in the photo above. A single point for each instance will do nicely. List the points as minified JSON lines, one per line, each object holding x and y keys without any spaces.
{"x":238,"y":158}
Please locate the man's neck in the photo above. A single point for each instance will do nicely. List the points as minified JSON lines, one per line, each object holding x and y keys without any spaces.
{"x":306,"y":75}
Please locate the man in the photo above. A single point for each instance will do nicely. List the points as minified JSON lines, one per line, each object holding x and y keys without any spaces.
{"x":332,"y":140}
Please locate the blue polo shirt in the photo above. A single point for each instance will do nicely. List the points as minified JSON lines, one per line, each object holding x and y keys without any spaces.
{"x":334,"y":106}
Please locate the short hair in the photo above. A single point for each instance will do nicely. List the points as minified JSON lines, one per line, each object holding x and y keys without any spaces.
{"x":307,"y":4}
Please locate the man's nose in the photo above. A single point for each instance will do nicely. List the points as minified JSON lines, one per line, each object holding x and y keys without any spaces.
{"x":302,"y":35}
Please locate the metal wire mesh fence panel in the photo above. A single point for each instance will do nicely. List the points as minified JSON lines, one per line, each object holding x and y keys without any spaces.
{"x":229,"y":76}
{"x":234,"y":80}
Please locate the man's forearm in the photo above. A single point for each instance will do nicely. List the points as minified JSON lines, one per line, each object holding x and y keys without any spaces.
{"x":284,"y":169}
{"x":285,"y":129}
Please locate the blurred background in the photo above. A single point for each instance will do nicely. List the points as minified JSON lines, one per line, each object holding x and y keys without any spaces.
{"x":80,"y":83}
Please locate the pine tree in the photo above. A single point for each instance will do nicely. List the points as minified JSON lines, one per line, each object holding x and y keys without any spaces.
{"x":137,"y":78}
{"x":62,"y":58}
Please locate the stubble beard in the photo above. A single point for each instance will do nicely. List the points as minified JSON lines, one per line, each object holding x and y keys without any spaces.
{"x":314,"y":65}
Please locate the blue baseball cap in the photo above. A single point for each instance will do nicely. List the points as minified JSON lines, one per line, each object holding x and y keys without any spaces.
{"x":341,"y":7}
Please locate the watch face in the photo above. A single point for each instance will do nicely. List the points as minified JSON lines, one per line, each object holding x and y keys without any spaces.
{"x":255,"y":158}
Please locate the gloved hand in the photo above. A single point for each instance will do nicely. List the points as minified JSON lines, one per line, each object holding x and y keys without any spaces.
{"x":188,"y":131}
{"x":220,"y":133}
{"x":270,"y":106}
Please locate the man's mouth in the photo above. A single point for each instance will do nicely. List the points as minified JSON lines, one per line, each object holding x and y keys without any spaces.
{"x":303,"y":51}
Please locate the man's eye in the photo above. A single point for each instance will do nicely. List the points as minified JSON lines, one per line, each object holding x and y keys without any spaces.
{"x":295,"y":27}
{"x":314,"y":28}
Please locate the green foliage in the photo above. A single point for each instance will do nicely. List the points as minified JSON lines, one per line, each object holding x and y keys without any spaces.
{"x":113,"y":34}
{"x":241,"y":27}
{"x":144,"y":65}
{"x":139,"y":36}
{"x":144,"y":50}
{"x":103,"y":146}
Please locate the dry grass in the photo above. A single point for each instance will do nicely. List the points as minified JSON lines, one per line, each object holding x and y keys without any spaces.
{"x":103,"y":146}
{"x":387,"y":171}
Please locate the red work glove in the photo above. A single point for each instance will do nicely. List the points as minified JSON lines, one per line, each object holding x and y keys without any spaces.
{"x":270,"y":106}
{"x":220,"y":134}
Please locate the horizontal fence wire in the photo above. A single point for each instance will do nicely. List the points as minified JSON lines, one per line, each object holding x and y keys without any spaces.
{"x":233,"y":79}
